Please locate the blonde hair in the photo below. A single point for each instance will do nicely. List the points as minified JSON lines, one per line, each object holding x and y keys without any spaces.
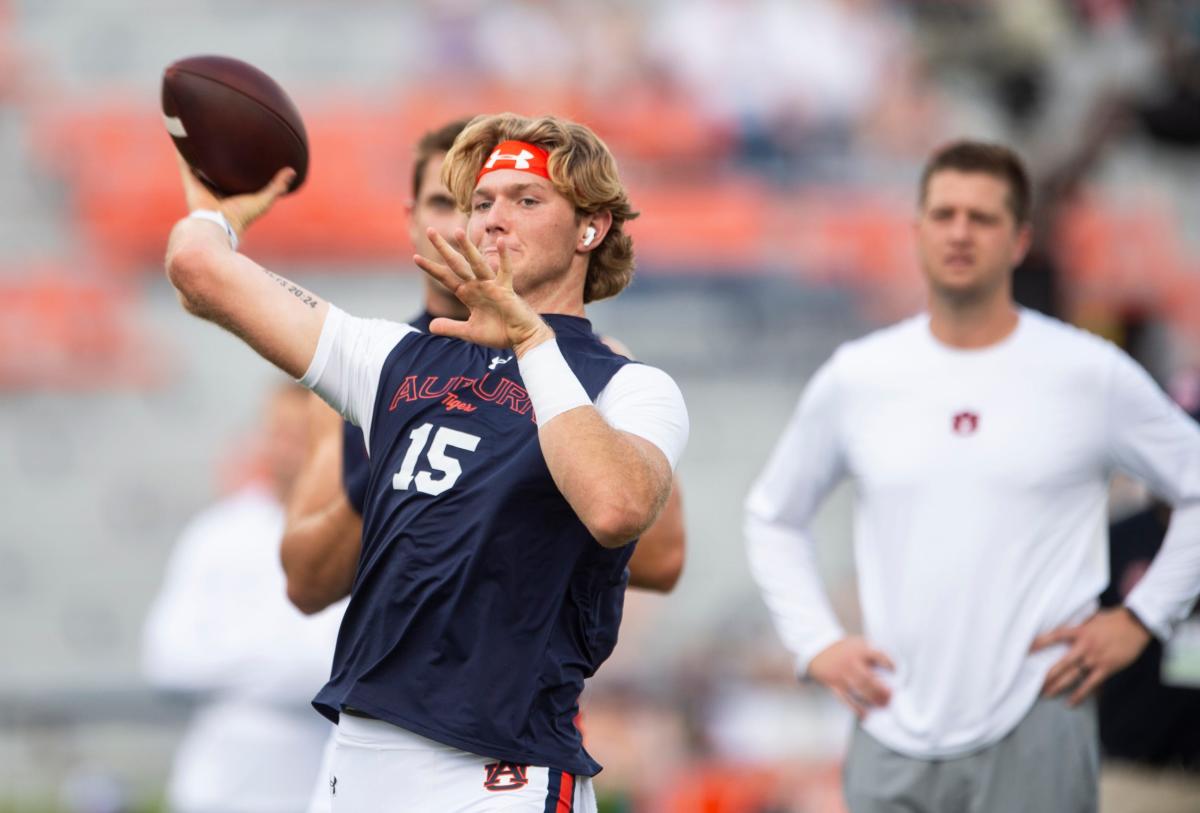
{"x":582,"y":170}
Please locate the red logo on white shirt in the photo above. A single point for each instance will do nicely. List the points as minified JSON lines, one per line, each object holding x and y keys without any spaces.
{"x":965,"y":423}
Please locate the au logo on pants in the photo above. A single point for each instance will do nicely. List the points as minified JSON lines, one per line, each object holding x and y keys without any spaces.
{"x":505,"y":776}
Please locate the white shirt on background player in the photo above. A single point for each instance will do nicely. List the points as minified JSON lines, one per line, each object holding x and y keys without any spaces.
{"x":222,"y":627}
{"x":980,"y":520}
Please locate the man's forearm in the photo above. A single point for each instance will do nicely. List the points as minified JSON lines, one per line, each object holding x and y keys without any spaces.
{"x":657,"y":561}
{"x":1166,"y":593}
{"x":783,"y":562}
{"x":616,"y":483}
{"x":320,"y":555}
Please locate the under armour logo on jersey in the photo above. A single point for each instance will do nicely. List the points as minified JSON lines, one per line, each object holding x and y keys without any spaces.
{"x":505,"y":776}
{"x":497,"y":361}
{"x":333,"y":786}
{"x":965,"y":423}
{"x":520,"y":160}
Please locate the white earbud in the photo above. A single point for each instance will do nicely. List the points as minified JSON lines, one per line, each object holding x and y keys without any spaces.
{"x":589,"y":235}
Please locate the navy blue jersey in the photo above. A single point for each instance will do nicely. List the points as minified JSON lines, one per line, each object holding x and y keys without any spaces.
{"x":481,"y":602}
{"x":355,"y":466}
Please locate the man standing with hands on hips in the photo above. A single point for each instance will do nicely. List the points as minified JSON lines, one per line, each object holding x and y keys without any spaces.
{"x":980,"y":437}
{"x":514,"y":458}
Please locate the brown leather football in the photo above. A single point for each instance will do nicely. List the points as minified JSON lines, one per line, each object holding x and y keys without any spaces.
{"x":232,"y":123}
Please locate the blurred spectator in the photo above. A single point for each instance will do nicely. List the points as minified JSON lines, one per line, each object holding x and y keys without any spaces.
{"x":222,"y":630}
{"x":538,"y":30}
{"x":1037,"y":279}
{"x":1171,"y":112}
{"x":790,"y":80}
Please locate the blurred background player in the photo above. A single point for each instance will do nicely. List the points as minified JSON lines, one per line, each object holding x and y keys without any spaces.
{"x":321,"y":542}
{"x":223,"y":631}
{"x":981,"y":438}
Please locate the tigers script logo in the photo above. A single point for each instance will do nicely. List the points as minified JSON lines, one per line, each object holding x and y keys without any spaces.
{"x":505,"y":776}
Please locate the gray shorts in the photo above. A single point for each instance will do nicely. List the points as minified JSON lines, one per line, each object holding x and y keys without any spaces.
{"x":1049,"y":762}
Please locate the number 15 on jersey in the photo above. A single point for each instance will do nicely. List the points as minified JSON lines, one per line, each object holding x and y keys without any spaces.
{"x":438,"y":461}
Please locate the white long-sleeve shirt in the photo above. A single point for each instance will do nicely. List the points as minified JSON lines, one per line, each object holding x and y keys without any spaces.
{"x":980,"y":522}
{"x":222,"y":627}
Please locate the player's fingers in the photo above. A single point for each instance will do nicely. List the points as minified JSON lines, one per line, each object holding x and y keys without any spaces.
{"x":454,"y":328}
{"x":1092,"y":679}
{"x":244,"y":210}
{"x":184,"y":170}
{"x":455,"y":261}
{"x":1064,"y":674}
{"x":478,"y":263}
{"x":1059,"y":635}
{"x":195,"y":193}
{"x":1061,"y":667}
{"x":439,"y":271}
{"x":860,"y":711}
{"x":278,"y":184}
{"x":877,"y":658}
{"x":504,"y":273}
{"x":873,"y":692}
{"x":867,"y":685}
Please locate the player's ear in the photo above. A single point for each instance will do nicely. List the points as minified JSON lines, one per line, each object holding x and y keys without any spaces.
{"x":1024,"y":241}
{"x":593,"y":229}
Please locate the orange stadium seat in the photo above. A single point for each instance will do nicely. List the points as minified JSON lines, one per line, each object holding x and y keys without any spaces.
{"x":63,"y":332}
{"x":846,"y":236}
{"x":724,"y":787}
{"x":700,"y":225}
{"x":651,"y":124}
{"x":120,"y":170}
{"x":118,"y":167}
{"x":1124,"y":257}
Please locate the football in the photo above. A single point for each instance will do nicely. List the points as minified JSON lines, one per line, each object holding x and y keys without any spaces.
{"x":233,"y":124}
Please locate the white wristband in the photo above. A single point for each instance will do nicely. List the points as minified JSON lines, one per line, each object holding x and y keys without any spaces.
{"x":220,"y":219}
{"x":553,"y":388}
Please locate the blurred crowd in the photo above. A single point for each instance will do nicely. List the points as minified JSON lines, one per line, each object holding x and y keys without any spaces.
{"x":800,"y":85}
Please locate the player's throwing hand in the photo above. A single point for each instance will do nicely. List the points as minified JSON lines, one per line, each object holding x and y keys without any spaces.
{"x":239,"y":210}
{"x":499,"y":317}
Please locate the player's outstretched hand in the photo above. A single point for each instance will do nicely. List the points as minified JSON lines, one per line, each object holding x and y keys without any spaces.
{"x":499,"y":317}
{"x":1105,"y":643}
{"x":239,"y":210}
{"x":848,"y":669}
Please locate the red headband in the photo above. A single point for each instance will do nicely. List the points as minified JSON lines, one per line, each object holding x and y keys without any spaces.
{"x":518,"y":155}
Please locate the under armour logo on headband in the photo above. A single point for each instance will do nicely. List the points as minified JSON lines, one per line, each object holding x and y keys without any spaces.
{"x":517,"y":155}
{"x":520,"y":160}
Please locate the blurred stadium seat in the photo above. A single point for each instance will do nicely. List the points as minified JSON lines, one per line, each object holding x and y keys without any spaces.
{"x":63,"y":332}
